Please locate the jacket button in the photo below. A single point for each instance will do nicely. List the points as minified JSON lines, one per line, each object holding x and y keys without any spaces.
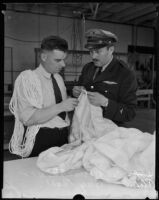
{"x":106,"y":91}
{"x":92,"y":86}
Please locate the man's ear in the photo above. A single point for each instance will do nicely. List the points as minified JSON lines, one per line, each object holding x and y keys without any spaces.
{"x":43,"y":57}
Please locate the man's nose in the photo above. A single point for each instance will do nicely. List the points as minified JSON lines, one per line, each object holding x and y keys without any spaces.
{"x":94,"y":55}
{"x":63,"y":63}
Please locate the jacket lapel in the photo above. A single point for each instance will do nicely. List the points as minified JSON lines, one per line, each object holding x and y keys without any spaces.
{"x":92,"y":72}
{"x":105,"y":74}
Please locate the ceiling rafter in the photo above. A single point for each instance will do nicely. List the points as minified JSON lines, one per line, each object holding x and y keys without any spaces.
{"x":121,"y":9}
{"x":135,"y":8}
{"x":126,"y":13}
{"x":114,"y":10}
{"x":141,"y":11}
{"x":150,"y":16}
{"x":117,"y":9}
{"x":83,"y":6}
{"x":106,"y":6}
{"x":106,"y":11}
{"x":105,"y":15}
{"x":94,"y":9}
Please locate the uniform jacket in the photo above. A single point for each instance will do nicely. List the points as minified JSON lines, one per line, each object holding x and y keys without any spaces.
{"x":118,"y":84}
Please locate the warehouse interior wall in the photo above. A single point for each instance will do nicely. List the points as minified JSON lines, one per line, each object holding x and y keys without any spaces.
{"x":24,"y":31}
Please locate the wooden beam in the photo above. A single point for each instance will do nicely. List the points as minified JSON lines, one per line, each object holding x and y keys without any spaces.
{"x":106,"y":10}
{"x":96,"y":10}
{"x":119,"y":9}
{"x":92,"y":8}
{"x":135,"y":8}
{"x":137,"y":13}
{"x":144,"y":18}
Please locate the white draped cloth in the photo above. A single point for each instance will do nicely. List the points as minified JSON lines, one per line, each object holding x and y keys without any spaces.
{"x":113,"y":154}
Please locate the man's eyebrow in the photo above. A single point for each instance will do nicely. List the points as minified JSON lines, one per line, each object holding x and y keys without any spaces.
{"x":58,"y":59}
{"x":94,"y":49}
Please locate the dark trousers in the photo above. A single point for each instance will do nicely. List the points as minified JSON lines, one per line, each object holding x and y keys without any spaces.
{"x":47,"y":138}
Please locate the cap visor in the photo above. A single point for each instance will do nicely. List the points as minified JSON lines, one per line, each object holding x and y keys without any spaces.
{"x":95,"y":46}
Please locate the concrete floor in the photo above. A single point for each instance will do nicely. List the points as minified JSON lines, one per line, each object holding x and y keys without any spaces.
{"x":145,"y":121}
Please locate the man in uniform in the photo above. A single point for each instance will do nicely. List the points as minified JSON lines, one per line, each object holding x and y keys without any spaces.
{"x":109,"y":82}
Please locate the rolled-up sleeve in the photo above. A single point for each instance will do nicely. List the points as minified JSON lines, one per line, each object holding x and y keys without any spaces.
{"x":25,"y":109}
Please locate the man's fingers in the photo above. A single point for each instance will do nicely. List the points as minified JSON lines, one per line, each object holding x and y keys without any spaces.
{"x":75,"y":102}
{"x":90,"y":94}
{"x":76,"y":91}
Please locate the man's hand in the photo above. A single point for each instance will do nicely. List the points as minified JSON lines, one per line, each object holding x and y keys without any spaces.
{"x":97,"y":99}
{"x":77,"y":90}
{"x":69,"y":104}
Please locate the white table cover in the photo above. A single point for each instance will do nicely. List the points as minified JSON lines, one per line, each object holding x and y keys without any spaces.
{"x":23,"y":179}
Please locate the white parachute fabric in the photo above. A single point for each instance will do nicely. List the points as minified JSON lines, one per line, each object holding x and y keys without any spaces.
{"x":110,"y":153}
{"x":88,"y":121}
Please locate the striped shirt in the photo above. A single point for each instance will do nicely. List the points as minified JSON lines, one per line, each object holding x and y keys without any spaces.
{"x":26,"y":110}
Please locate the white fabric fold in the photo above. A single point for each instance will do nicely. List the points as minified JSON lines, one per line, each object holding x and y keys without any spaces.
{"x":88,"y":121}
{"x":108,"y":152}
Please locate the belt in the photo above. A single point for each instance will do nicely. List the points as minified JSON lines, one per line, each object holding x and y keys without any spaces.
{"x":54,"y":128}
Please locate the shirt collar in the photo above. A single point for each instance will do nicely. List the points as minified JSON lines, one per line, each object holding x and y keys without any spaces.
{"x":103,"y":68}
{"x":44,"y":72}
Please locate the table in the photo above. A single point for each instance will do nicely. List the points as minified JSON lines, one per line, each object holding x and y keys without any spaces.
{"x":23,"y":179}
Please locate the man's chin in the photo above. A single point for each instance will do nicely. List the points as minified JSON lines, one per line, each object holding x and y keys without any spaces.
{"x":59,"y":70}
{"x":96,"y":63}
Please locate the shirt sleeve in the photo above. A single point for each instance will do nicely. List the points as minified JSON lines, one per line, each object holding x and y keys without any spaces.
{"x":124,"y":109}
{"x":25,"y":109}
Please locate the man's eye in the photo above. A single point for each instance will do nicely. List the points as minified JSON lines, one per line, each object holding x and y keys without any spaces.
{"x":94,"y":51}
{"x":58,"y":60}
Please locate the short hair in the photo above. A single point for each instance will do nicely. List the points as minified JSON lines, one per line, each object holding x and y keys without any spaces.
{"x":54,"y":42}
